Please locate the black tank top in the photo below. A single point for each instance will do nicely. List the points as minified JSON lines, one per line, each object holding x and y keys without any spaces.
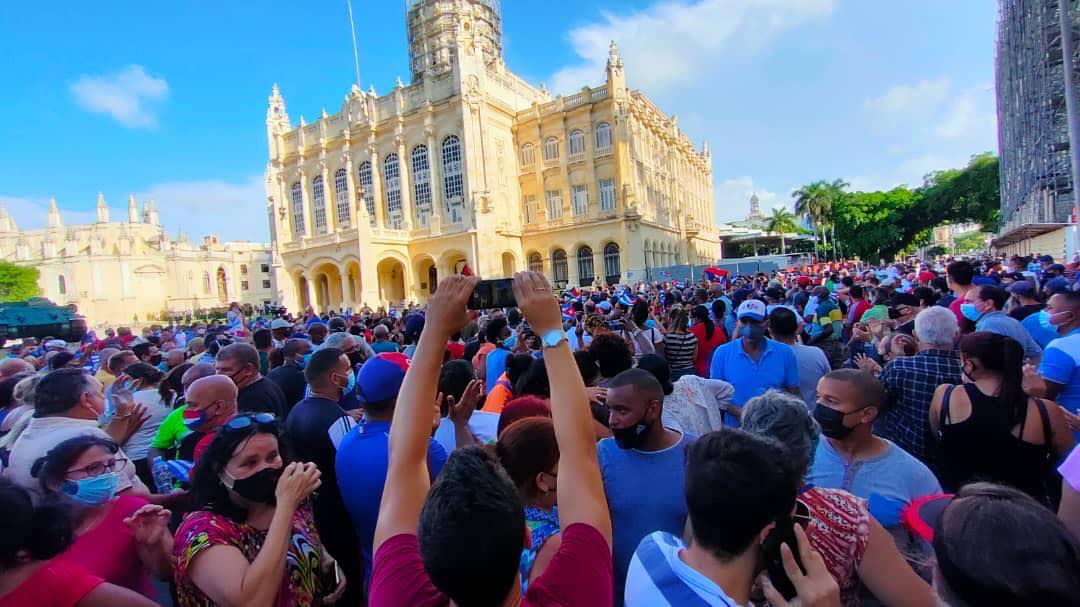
{"x":983,"y":448}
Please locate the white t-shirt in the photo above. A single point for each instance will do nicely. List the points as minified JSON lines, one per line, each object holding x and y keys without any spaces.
{"x":138,"y":446}
{"x":659,"y":578}
{"x":44,"y":433}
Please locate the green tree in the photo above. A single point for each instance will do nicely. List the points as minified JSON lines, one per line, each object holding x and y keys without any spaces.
{"x":971,"y":242}
{"x":18,"y":282}
{"x":816,"y":202}
{"x":781,"y":222}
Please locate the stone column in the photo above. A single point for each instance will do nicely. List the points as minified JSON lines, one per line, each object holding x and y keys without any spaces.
{"x":328,"y":198}
{"x":376,"y":187}
{"x":406,"y":189}
{"x":346,"y":295}
{"x":305,"y":196}
{"x":435,"y":160}
{"x":355,"y":212}
{"x":313,"y":301}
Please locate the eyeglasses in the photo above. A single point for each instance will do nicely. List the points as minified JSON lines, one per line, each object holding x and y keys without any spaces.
{"x":98,"y":468}
{"x":246,"y":420}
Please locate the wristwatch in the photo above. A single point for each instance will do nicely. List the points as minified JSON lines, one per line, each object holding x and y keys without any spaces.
{"x":553,"y":338}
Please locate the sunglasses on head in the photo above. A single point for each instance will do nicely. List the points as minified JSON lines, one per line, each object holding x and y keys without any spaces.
{"x":246,"y":420}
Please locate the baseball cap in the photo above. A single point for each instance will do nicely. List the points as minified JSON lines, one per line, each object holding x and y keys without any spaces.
{"x":923,"y":514}
{"x":1045,"y":259}
{"x":280,"y":323}
{"x":803,"y":281}
{"x":57,"y":344}
{"x":380,"y":378}
{"x":604,"y":305}
{"x":1057,"y":285}
{"x":927,"y":276}
{"x":751,"y":308}
{"x":1022,"y":287}
{"x":1056,"y":267}
{"x":983,"y":281}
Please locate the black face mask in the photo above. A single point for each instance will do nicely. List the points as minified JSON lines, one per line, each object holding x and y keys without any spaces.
{"x":355,"y":358}
{"x":259,"y":487}
{"x":832,"y":422}
{"x":632,"y":437}
{"x":155,"y":360}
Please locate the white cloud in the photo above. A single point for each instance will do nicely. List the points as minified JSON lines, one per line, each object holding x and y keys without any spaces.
{"x":733,"y":199}
{"x":673,"y":42}
{"x":970,"y":115}
{"x":905,"y":99}
{"x":231,"y":210}
{"x":129,"y":95}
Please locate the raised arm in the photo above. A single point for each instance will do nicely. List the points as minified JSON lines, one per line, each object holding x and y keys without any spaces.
{"x":580,"y":489}
{"x":407,"y":479}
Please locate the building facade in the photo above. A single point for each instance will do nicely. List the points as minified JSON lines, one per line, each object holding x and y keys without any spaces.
{"x":470,"y":164}
{"x":120,"y":272}
{"x":1038,"y":84}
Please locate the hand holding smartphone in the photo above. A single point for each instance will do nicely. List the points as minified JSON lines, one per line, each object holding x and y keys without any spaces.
{"x":497,"y":293}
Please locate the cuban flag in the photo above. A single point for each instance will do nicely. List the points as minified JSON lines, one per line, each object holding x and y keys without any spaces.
{"x":715,"y":274}
{"x":575,"y":292}
{"x":626,"y":299}
{"x":568,"y":312}
{"x":676,"y":284}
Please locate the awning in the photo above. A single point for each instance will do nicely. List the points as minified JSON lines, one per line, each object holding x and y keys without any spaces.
{"x":1024,"y":232}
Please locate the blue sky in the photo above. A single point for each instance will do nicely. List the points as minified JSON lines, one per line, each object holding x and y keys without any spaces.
{"x":168,"y":100}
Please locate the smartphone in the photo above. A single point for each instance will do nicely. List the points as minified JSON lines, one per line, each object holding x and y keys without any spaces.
{"x":497,"y":293}
{"x":615,"y":325}
{"x":783,"y":533}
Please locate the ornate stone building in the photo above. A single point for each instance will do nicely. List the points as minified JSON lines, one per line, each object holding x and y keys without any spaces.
{"x":116,"y":271}
{"x":471,"y":164}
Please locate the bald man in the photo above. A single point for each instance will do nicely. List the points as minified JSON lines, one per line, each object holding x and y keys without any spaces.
{"x":174,"y":358}
{"x":211,"y":402}
{"x":174,"y":440}
{"x":103,"y":375}
{"x":14,"y":366}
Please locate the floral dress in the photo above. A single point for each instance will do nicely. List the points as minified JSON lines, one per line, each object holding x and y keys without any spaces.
{"x":542,"y":524}
{"x":203,"y":529}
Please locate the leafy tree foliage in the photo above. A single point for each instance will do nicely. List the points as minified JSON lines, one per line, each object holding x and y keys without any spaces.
{"x":17,"y":282}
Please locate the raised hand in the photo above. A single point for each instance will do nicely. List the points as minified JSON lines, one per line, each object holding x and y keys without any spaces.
{"x":297,"y":482}
{"x":150,"y":524}
{"x":537,"y":301}
{"x":461,"y":412}
{"x":446,"y":311}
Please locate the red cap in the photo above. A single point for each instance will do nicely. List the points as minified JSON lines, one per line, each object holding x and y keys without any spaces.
{"x":804,"y":281}
{"x":927,"y":276}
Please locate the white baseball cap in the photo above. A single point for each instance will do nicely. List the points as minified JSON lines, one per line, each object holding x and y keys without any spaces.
{"x":751,"y":308}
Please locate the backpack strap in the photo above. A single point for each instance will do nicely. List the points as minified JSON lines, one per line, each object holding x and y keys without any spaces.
{"x":943,"y":419}
{"x":1048,"y":430}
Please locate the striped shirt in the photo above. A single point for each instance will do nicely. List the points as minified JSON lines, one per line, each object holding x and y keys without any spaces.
{"x":659,"y":578}
{"x":679,"y":350}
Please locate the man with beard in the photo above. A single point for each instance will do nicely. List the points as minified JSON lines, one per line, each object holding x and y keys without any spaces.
{"x":642,"y":467}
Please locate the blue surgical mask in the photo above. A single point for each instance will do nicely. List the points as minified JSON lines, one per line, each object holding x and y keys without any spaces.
{"x":752,"y":332}
{"x":93,"y":491}
{"x":970,"y":312}
{"x":349,"y":387}
{"x":510,"y":342}
{"x":304,"y":361}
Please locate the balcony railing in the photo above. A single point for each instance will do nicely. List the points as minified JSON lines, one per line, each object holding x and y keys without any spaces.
{"x":604,"y":151}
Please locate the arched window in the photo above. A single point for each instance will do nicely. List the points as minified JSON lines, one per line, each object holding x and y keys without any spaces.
{"x":341,"y":199}
{"x":528,"y":157}
{"x":392,"y":184}
{"x":453,"y":181}
{"x":318,"y":203}
{"x":536,"y":263}
{"x":585,"y":266}
{"x":367,"y":189}
{"x":61,"y":285}
{"x":603,"y":139}
{"x":421,"y":174}
{"x":559,"y":270}
{"x":577,"y":143}
{"x":612,"y":263}
{"x":551,"y":149}
{"x":296,"y":194}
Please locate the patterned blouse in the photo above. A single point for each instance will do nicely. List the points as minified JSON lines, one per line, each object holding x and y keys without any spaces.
{"x":542,"y":524}
{"x":840,"y":531}
{"x":203,"y":529}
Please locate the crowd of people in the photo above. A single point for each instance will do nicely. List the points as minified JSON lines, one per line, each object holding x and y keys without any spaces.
{"x":837,"y":434}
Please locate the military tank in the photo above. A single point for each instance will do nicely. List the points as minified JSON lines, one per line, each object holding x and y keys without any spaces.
{"x":38,"y":317}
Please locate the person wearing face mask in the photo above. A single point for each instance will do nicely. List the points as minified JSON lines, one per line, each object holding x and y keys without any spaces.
{"x":121,"y":539}
{"x":1058,"y":375}
{"x":642,"y":466}
{"x":290,"y":375}
{"x":315,"y":427}
{"x":983,"y":305}
{"x":240,"y":363}
{"x":988,"y":429}
{"x":250,"y":539}
{"x":357,"y":352}
{"x":753,"y":363}
{"x":856,"y":460}
{"x":147,"y":389}
{"x":211,"y":401}
{"x":67,"y":403}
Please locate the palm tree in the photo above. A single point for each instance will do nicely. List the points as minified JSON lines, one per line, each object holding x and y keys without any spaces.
{"x":812,"y":203}
{"x":836,"y":192}
{"x":781,"y":222}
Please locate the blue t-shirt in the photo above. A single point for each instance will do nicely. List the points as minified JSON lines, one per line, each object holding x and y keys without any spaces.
{"x":888,"y":482}
{"x":776,"y":367}
{"x":645,"y":493}
{"x":1061,"y":365}
{"x":361,"y":463}
{"x":496,"y":366}
{"x":659,"y":578}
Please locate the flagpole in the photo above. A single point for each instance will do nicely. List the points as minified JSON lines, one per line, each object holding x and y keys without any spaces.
{"x":356,"y":53}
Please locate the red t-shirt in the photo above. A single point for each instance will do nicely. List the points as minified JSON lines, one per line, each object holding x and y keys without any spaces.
{"x":108,"y":550}
{"x":580,"y":573}
{"x":955,"y":307}
{"x":57,"y":583}
{"x":457,"y":350}
{"x":706,"y":347}
{"x":860,"y":308}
